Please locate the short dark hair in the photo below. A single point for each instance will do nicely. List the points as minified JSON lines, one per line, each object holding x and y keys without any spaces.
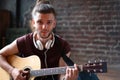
{"x":43,"y":8}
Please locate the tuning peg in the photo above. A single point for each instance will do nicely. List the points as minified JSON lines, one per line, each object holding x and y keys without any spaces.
{"x":101,"y":70}
{"x":88,"y":70}
{"x":101,"y":60}
{"x":94,"y":70}
{"x":95,"y":61}
{"x":94,"y":64}
{"x":100,"y":64}
{"x":87,"y":65}
{"x":89,"y":61}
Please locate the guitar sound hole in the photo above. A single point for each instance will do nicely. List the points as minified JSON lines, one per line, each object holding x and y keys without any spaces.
{"x":27,"y":69}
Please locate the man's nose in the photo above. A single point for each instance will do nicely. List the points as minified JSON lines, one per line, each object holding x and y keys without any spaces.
{"x":44,"y":26}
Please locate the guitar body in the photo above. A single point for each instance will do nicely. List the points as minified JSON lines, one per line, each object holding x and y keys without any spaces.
{"x":32,"y":63}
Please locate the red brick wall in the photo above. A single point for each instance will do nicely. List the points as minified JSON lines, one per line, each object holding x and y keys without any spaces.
{"x":91,"y":27}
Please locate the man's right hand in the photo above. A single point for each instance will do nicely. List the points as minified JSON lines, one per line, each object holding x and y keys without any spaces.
{"x":19,"y":74}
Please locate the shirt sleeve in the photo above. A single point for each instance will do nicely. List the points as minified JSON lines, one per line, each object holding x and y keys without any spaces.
{"x":21,"y":44}
{"x":66,"y":47}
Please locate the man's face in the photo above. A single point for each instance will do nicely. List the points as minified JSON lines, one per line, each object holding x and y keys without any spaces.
{"x":44,"y":24}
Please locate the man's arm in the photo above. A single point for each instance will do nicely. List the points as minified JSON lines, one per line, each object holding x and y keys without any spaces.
{"x":8,"y":50}
{"x":11,"y":49}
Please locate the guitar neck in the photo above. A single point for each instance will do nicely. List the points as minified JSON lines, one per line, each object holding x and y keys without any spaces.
{"x":99,"y":67}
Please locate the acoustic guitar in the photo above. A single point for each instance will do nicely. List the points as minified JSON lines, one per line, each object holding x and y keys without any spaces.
{"x":33,"y":64}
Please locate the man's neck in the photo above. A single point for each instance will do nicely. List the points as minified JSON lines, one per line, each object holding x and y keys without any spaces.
{"x":44,"y":40}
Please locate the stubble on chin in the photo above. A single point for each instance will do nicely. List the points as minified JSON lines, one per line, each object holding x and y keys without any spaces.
{"x":44,"y":36}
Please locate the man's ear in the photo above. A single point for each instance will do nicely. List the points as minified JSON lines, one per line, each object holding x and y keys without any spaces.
{"x":32,"y":25}
{"x":32,"y":22}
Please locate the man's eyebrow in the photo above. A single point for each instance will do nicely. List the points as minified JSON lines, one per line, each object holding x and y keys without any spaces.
{"x":39,"y":20}
{"x":50,"y":20}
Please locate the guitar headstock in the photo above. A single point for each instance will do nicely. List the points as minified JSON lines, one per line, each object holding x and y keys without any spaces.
{"x":96,"y":67}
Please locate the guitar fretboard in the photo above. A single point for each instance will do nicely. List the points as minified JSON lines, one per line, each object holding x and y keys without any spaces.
{"x":48,"y":71}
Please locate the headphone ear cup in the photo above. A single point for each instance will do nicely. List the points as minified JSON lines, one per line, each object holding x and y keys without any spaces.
{"x":48,"y":44}
{"x":39,"y":44}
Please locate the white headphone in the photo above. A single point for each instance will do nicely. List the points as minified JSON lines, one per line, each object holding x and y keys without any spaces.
{"x":38,"y":44}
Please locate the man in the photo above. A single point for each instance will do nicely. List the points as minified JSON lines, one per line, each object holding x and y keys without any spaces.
{"x":43,"y":43}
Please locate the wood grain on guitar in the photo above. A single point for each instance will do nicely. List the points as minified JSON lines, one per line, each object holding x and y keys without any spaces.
{"x":33,"y":63}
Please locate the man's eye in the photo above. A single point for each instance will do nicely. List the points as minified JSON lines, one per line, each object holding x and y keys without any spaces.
{"x":40,"y":22}
{"x":49,"y":22}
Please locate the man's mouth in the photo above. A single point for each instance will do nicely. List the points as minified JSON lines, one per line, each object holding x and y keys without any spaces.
{"x":44,"y":32}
